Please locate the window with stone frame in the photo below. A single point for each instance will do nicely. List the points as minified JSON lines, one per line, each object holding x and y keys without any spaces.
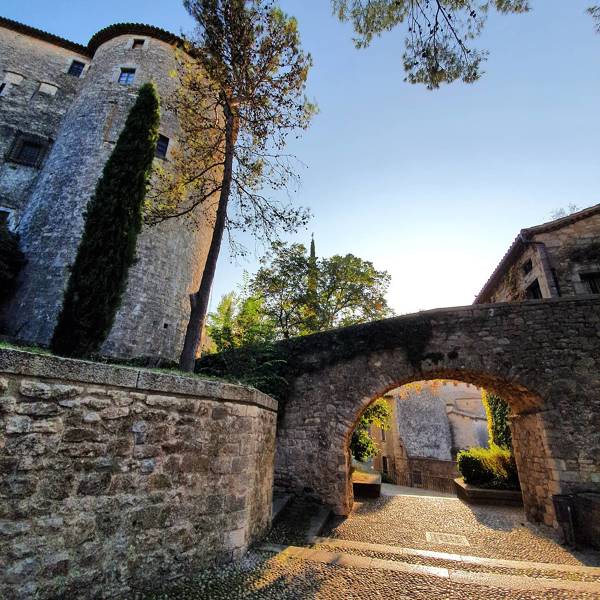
{"x":385,"y":464}
{"x":591,"y":282}
{"x":138,"y":43}
{"x":527,"y":266}
{"x":162,"y":146}
{"x":76,"y":68}
{"x":28,"y":150}
{"x":127,"y":76}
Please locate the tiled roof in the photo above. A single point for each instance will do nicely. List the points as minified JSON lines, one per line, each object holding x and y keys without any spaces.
{"x":97,"y":39}
{"x":518,"y":246}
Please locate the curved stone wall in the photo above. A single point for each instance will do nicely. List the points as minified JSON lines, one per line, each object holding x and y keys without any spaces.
{"x":170,"y":257}
{"x":116,"y":479}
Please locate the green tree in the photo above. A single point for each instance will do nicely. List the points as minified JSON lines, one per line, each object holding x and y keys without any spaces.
{"x":362,"y":445}
{"x":239,"y":322}
{"x":595,"y":12}
{"x":113,"y":221}
{"x":239,"y":99}
{"x":498,"y":412}
{"x":304,"y":294}
{"x":11,"y":261}
{"x":438,"y":33}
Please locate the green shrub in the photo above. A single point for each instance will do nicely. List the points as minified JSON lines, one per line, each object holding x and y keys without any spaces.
{"x":11,"y":261}
{"x":497,"y":411}
{"x":113,"y":221}
{"x":493,"y":467}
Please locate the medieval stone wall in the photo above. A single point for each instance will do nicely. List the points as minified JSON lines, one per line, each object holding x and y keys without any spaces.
{"x":113,"y":479}
{"x":25,"y":109}
{"x":86,"y":122}
{"x":542,"y":357}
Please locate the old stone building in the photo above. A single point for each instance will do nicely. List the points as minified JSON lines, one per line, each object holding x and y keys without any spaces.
{"x":559,"y":258}
{"x":431,"y":422}
{"x":62,"y":107}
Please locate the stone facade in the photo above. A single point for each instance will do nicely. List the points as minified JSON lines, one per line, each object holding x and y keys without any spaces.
{"x":560,"y":258}
{"x":117,"y":479}
{"x":542,"y":357}
{"x":78,"y":126}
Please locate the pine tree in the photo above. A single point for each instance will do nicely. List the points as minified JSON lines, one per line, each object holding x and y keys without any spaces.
{"x":113,"y":221}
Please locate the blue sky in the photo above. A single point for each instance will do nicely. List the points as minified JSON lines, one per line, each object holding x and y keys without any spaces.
{"x":432,"y":186}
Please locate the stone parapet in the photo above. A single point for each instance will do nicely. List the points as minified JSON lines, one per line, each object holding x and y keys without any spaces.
{"x":115,"y":479}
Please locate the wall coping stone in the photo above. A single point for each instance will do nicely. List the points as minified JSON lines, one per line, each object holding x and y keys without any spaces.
{"x":21,"y":362}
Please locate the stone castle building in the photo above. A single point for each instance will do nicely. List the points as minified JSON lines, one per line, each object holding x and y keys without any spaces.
{"x":559,"y":258}
{"x":431,"y":422}
{"x":62,"y":107}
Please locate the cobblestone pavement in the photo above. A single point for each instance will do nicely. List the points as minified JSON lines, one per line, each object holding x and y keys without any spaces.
{"x":494,"y":532}
{"x":399,"y":521}
{"x":263,"y":577}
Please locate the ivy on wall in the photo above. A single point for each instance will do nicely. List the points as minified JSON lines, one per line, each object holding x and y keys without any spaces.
{"x":497,"y":411}
{"x":113,"y":221}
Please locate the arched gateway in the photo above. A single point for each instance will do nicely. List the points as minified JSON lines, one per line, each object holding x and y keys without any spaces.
{"x":543,"y":357}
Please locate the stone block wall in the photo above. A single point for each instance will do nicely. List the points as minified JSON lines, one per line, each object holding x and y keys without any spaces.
{"x":116,"y":479}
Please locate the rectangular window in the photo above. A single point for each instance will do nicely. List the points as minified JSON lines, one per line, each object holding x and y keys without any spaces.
{"x":591,"y":281}
{"x":385,"y":464}
{"x":127,"y":76}
{"x":527,"y":267}
{"x":138,"y":44}
{"x":28,"y":150}
{"x":382,"y":435}
{"x":162,"y":145}
{"x":76,"y":68}
{"x":534,"y":292}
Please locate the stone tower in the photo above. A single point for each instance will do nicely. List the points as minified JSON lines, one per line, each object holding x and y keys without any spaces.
{"x":61,"y":111}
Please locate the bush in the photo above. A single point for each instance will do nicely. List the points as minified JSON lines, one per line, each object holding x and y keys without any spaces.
{"x":11,"y":261}
{"x":113,"y":221}
{"x":497,"y":411}
{"x":492,"y":467}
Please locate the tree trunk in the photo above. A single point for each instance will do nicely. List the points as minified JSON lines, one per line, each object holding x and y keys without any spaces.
{"x":199,"y":300}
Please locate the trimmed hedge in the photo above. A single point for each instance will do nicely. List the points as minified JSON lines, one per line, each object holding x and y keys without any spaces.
{"x":113,"y":221}
{"x":11,"y":261}
{"x":492,"y":467}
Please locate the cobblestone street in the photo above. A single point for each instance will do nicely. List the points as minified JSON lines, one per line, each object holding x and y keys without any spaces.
{"x":382,"y":551}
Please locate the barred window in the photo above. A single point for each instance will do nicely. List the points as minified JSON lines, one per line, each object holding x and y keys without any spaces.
{"x":28,"y":150}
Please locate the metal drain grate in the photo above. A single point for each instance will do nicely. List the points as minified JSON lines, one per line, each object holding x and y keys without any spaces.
{"x":446,"y":539}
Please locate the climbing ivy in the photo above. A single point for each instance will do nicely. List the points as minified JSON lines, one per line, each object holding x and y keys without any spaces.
{"x":497,"y":411}
{"x":113,"y":221}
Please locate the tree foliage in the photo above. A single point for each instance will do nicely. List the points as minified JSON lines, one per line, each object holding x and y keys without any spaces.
{"x":362,"y":445}
{"x":304,"y":294}
{"x":239,"y":321}
{"x":498,"y":412}
{"x":595,"y":12}
{"x":113,"y":221}
{"x":241,"y":93}
{"x":11,"y":261}
{"x":439,"y":33}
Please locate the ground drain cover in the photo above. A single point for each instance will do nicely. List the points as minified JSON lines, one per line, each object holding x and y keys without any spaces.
{"x":446,"y":538}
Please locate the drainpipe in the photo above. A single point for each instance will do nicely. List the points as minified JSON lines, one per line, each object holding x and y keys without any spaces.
{"x":549,"y":273}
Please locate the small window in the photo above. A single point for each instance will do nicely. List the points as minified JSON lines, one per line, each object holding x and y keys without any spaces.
{"x":127,"y":76}
{"x":591,"y":282}
{"x":382,"y":435}
{"x":534,"y":292}
{"x":385,"y":464}
{"x":527,"y":267}
{"x":76,"y":68}
{"x":138,"y":44}
{"x":162,"y":145}
{"x":28,"y":150}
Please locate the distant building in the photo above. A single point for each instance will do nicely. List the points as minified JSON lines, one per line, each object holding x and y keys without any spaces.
{"x":431,"y":422}
{"x":559,"y":258}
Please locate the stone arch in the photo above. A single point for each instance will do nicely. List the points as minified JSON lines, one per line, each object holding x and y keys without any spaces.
{"x":542,"y":357}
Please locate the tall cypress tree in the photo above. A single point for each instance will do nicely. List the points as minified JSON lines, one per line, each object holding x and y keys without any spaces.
{"x":113,"y":221}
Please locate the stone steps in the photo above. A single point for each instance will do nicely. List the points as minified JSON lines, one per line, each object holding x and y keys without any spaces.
{"x":508,"y":574}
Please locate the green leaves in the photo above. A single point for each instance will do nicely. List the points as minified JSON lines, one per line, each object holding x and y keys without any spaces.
{"x":438,"y":33}
{"x":113,"y":221}
{"x":379,"y":414}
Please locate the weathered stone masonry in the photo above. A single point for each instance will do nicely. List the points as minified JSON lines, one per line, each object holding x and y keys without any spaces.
{"x":543,"y":357}
{"x":114,"y":479}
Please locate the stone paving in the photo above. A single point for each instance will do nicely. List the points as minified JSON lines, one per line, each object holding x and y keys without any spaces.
{"x":354,"y":563}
